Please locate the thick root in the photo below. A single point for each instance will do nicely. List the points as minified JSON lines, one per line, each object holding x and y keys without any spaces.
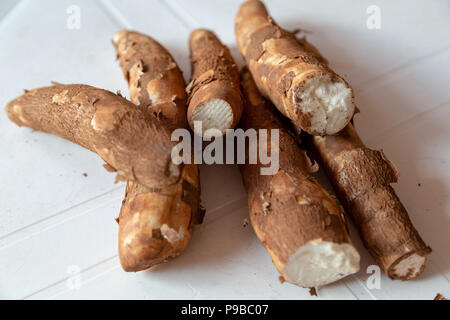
{"x":362,"y":178}
{"x":133,"y":143}
{"x":298,"y":222}
{"x":215,"y":96}
{"x":300,"y":85}
{"x":155,"y":225}
{"x":154,"y":79}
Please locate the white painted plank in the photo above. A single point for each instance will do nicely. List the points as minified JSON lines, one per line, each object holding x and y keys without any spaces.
{"x":403,"y":95}
{"x":5,"y":7}
{"x":154,"y":19}
{"x":421,"y":150}
{"x":223,"y":261}
{"x":54,"y":217}
{"x":43,"y":175}
{"x":84,"y":236}
{"x":409,"y":29}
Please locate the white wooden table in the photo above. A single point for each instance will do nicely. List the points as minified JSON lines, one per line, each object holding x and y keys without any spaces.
{"x":58,"y":237}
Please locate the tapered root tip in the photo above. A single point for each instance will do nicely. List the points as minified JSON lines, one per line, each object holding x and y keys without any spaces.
{"x":327,"y":103}
{"x":320,"y":262}
{"x":214,"y":114}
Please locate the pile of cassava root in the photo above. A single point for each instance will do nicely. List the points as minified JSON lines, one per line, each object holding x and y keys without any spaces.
{"x":286,"y":85}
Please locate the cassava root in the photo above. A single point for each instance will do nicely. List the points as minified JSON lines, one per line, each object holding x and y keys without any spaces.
{"x":301,"y":86}
{"x":298,"y":222}
{"x":154,"y":80}
{"x":362,"y":180}
{"x":214,"y":92}
{"x":155,"y":224}
{"x":130,"y":141}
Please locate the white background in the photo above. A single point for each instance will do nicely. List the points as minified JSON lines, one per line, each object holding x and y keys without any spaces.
{"x":54,"y":221}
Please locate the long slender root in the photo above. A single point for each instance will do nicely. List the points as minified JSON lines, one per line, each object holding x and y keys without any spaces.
{"x":133,"y":143}
{"x":300,"y":85}
{"x":215,"y":96}
{"x":155,"y":224}
{"x":298,"y":222}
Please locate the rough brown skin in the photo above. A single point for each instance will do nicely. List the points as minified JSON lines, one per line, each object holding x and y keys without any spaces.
{"x":132,"y":142}
{"x":313,"y":292}
{"x":440,"y":297}
{"x":290,"y":208}
{"x":362,"y":180}
{"x":276,"y":61}
{"x":155,"y":225}
{"x":214,"y":75}
{"x":154,"y":80}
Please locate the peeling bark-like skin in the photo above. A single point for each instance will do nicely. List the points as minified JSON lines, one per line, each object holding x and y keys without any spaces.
{"x":362,"y":180}
{"x":132,"y":142}
{"x":277,"y":62}
{"x":361,"y":177}
{"x":154,"y":79}
{"x":290,"y":208}
{"x":155,"y":224}
{"x":214,"y":75}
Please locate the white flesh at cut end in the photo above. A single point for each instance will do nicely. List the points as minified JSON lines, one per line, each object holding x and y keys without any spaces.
{"x":328,"y":102}
{"x":409,"y":267}
{"x":214,"y":114}
{"x":321,"y":262}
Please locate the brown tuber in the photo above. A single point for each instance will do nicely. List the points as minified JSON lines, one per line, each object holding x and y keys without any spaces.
{"x":155,"y":224}
{"x":133,"y":143}
{"x":298,"y":222}
{"x":300,"y":85}
{"x":362,"y":180}
{"x":215,"y":96}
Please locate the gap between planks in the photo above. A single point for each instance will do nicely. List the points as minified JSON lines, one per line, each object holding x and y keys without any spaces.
{"x":61,"y":217}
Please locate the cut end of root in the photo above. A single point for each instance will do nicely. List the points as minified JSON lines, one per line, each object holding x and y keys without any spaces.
{"x":328,"y":101}
{"x":409,"y":267}
{"x":320,"y":262}
{"x":213,"y":114}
